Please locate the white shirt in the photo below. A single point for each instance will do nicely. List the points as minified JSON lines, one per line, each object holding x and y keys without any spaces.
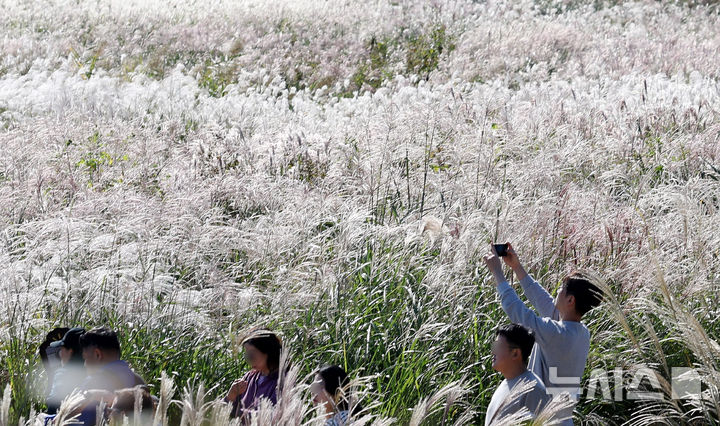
{"x":502,"y":405}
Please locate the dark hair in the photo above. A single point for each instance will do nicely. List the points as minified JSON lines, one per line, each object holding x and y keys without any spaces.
{"x":125,"y":399}
{"x":101,"y":338}
{"x":268,"y":343}
{"x":336,"y":383}
{"x":519,"y":337}
{"x":76,"y":357}
{"x":71,"y":340}
{"x":587,"y":295}
{"x":53,"y":336}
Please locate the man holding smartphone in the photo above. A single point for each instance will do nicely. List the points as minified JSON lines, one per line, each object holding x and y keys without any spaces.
{"x":562,"y":341}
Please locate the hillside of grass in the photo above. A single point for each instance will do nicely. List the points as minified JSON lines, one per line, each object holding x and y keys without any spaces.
{"x":183,"y":170}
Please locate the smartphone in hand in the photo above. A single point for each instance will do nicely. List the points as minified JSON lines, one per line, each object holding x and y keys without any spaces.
{"x":501,"y":249}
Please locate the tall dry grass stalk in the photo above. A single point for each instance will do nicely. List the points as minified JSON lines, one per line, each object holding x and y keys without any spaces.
{"x":5,"y":406}
{"x":70,"y":409}
{"x":167,"y":390}
{"x":448,"y":394}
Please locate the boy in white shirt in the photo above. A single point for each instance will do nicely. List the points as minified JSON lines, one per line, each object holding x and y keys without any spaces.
{"x":511,"y":350}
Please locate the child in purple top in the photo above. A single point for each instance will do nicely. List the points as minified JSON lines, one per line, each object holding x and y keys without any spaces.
{"x":258,"y":386}
{"x":262,"y":352}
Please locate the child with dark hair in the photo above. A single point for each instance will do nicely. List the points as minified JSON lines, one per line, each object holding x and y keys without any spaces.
{"x":511,"y":350}
{"x":330,"y":389}
{"x":562,"y":341}
{"x":262,"y":352}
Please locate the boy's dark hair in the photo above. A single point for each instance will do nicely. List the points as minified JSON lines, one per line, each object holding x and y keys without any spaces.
{"x":587,"y":295}
{"x":336,"y":383}
{"x":519,"y":337}
{"x":269,"y":344}
{"x":101,"y":338}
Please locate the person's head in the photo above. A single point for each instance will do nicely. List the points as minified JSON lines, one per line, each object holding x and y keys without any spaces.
{"x":51,"y":356}
{"x":577,"y":296}
{"x":124,"y":404}
{"x":511,"y":348}
{"x":262,"y":350}
{"x":330,"y":389}
{"x":99,"y":346}
{"x":69,"y":347}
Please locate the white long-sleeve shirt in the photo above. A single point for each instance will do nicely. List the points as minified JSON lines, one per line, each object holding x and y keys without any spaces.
{"x":502,"y":405}
{"x":561,"y":347}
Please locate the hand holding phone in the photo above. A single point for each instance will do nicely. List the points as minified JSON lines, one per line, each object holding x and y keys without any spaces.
{"x":501,"y":249}
{"x":510,"y":258}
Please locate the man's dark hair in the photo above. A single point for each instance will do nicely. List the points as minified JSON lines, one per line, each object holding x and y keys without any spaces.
{"x":587,"y":295}
{"x":101,"y":338}
{"x":519,"y":337}
{"x":269,"y":344}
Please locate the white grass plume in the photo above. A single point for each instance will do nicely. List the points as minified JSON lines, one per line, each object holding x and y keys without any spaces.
{"x":167,"y":390}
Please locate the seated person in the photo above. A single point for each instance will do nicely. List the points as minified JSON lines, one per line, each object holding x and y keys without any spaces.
{"x":262,"y":351}
{"x":330,"y":389}
{"x":106,"y":371}
{"x":71,"y":373}
{"x":123,"y":405}
{"x":50,"y":357}
{"x":511,"y":350}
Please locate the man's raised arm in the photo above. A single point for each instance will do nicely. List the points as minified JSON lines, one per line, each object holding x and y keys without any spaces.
{"x":536,"y":294}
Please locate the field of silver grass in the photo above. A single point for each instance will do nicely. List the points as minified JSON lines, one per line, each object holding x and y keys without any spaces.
{"x":183,"y":170}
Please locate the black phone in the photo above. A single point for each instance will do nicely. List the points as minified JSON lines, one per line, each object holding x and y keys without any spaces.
{"x":501,"y":249}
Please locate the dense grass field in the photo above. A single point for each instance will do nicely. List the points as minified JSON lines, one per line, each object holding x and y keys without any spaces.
{"x":183,"y":170}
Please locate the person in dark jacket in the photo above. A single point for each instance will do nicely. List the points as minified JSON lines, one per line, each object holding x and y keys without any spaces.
{"x":106,"y":371}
